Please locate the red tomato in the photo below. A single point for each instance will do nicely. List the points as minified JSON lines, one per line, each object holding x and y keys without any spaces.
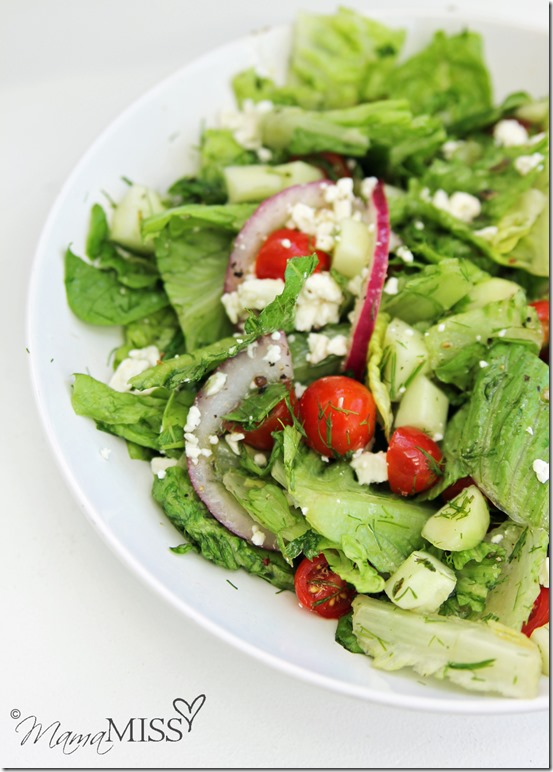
{"x":261,"y":438}
{"x":338,"y":415}
{"x":542,"y":310}
{"x":453,"y":490}
{"x":280,"y":246}
{"x":321,"y":590}
{"x":413,"y":461}
{"x":333,"y":165}
{"x":539,"y":615}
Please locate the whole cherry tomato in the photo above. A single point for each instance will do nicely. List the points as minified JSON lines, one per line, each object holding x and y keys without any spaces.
{"x":321,"y":590}
{"x":414,"y":461}
{"x":338,"y":415}
{"x":280,"y":246}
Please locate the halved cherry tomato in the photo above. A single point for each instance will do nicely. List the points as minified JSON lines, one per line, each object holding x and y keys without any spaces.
{"x":338,"y":415}
{"x":539,"y":615}
{"x":321,"y":590}
{"x":279,"y":417}
{"x":333,"y":165}
{"x":413,"y":461}
{"x":280,"y":246}
{"x":542,"y":310}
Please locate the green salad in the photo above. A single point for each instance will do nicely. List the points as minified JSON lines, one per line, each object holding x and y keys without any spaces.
{"x":335,"y":345}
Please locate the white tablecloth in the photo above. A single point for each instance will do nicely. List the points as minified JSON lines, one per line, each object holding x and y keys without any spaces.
{"x":83,"y":638}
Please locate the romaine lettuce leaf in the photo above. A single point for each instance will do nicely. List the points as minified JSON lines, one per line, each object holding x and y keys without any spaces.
{"x":98,"y":297}
{"x":448,"y":78}
{"x":501,"y":431}
{"x":191,"y":517}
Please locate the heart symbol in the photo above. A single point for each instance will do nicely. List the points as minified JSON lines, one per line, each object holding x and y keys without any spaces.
{"x":192,"y":709}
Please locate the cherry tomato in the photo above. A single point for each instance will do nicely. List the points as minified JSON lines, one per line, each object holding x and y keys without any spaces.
{"x":413,"y":461}
{"x":280,"y":246}
{"x":539,"y":615}
{"x":542,"y":310}
{"x":321,"y":590}
{"x":455,"y":488}
{"x":333,"y":165}
{"x":261,"y":437}
{"x":338,"y":415}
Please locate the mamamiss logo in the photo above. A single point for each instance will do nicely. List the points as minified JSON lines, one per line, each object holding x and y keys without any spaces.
{"x":172,"y":728}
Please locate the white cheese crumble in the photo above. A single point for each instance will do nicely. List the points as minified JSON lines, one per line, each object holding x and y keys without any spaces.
{"x":483,"y":363}
{"x":392,"y":286}
{"x":541,"y":468}
{"x":105,"y":453}
{"x":367,"y":187}
{"x":509,"y":133}
{"x":529,"y":430}
{"x":450,"y":147}
{"x":524,"y":164}
{"x":213,"y":439}
{"x":192,"y":448}
{"x":215,"y":383}
{"x":138,"y":360}
{"x":321,"y":347}
{"x":273,"y":355}
{"x":260,"y":459}
{"x":318,"y":303}
{"x":159,"y":465}
{"x":258,"y":537}
{"x":193,"y":419}
{"x":253,"y":294}
{"x":232,"y":441}
{"x":246,"y":125}
{"x":497,"y":538}
{"x":463,"y":206}
{"x":370,"y":467}
{"x":299,"y":389}
{"x":405,"y":254}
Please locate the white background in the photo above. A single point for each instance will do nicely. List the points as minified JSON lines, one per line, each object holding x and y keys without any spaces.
{"x":82,"y":637}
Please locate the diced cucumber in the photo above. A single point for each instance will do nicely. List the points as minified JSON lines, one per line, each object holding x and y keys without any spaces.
{"x":405,"y":355}
{"x":259,"y":181}
{"x":535,"y":112}
{"x":481,"y":656}
{"x":490,"y":291}
{"x":423,"y":406}
{"x":460,"y":524}
{"x":540,"y":636}
{"x":138,"y":203}
{"x":354,"y":247}
{"x":421,"y":583}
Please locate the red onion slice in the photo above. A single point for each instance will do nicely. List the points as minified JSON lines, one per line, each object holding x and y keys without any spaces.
{"x":270,"y":215}
{"x":366,"y":308}
{"x":235,"y":375}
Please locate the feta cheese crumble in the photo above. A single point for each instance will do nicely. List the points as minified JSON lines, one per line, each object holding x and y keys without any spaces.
{"x":463,"y":206}
{"x":318,"y":303}
{"x":541,"y":468}
{"x":370,"y":467}
{"x":392,"y":286}
{"x":509,"y":133}
{"x":524,"y":164}
{"x":105,"y":453}
{"x":321,"y":347}
{"x":246,"y":126}
{"x":215,"y":383}
{"x":273,"y":355}
{"x":138,"y":360}
{"x":405,"y":254}
{"x":192,"y":419}
{"x":252,"y":293}
{"x":232,"y":441}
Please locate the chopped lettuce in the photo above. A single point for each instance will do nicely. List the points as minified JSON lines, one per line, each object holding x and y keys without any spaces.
{"x":500,"y":432}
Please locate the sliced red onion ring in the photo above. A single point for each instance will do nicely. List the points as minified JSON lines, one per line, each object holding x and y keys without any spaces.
{"x":270,"y":215}
{"x":235,"y":375}
{"x":366,"y":308}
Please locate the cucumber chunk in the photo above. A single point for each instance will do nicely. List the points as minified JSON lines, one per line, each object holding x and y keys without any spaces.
{"x":354,"y":247}
{"x":423,"y":406}
{"x":138,"y":203}
{"x":490,"y":291}
{"x":461,"y":524}
{"x":421,"y":583}
{"x":405,"y":355}
{"x":480,"y":656}
{"x":259,"y":181}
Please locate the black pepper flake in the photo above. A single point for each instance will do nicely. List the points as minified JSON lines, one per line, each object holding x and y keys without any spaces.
{"x":526,"y":377}
{"x":260,"y":381}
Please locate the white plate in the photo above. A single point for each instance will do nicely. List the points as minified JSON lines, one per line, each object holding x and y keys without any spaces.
{"x":152,"y":143}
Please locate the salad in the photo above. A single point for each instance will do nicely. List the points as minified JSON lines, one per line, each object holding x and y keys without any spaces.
{"x":335,"y":348}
